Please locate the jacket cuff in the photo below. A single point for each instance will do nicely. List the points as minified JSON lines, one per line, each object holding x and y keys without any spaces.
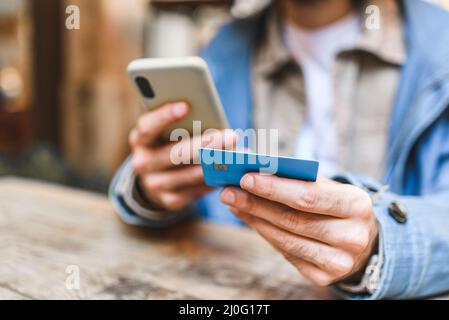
{"x":401,"y":246}
{"x":404,"y":245}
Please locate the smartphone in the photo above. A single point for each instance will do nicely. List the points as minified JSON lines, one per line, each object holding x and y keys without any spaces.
{"x":164,"y":80}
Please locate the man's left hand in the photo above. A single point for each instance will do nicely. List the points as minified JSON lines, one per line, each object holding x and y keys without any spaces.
{"x":327,"y":230}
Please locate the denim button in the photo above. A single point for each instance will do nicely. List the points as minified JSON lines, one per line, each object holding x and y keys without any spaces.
{"x":398,"y":212}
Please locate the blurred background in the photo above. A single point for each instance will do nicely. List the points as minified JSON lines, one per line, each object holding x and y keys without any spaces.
{"x":66,"y":104}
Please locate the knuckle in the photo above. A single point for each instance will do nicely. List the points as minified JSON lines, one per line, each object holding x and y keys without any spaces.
{"x":139,"y":164}
{"x":364,"y":205}
{"x":153,"y":184}
{"x":328,"y":260}
{"x":216,"y":139}
{"x":292,"y":259}
{"x":322,"y":280}
{"x":338,"y":268}
{"x":289,"y":220}
{"x":142,"y":125}
{"x":198,"y":173}
{"x":341,"y":204}
{"x":312,"y":255}
{"x":300,"y":267}
{"x":307,"y":199}
{"x":321,"y":229}
{"x":133,"y":137}
{"x":358,"y":240}
{"x":195,"y":178}
{"x":164,"y":114}
{"x":172,"y":202}
{"x":271,"y":190}
{"x":288,"y":243}
{"x":248,"y":203}
{"x":267,"y":187}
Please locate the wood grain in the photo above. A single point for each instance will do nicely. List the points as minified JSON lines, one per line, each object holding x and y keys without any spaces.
{"x":46,"y":228}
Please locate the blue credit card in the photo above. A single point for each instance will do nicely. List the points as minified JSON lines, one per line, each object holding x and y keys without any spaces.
{"x":226,"y":168}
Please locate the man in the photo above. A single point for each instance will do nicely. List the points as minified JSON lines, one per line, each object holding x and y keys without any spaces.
{"x":360,"y":99}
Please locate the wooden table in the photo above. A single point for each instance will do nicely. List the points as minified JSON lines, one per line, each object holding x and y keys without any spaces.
{"x":48,"y":233}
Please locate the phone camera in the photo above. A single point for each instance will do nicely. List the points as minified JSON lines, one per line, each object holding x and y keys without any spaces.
{"x":145,"y":87}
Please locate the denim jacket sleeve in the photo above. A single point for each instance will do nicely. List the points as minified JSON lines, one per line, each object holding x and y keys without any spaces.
{"x":415,"y":253}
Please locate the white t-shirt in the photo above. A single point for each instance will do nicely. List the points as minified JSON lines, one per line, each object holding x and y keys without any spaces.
{"x":315,"y":50}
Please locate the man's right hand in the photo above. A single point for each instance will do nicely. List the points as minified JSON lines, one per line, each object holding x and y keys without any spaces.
{"x":166,"y":185}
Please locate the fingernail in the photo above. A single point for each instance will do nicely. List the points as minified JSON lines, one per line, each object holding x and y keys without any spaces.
{"x":247,"y":182}
{"x":228,"y":197}
{"x":179,"y":109}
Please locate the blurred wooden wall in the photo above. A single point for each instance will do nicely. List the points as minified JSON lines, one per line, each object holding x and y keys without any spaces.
{"x":99,"y":106}
{"x":16,"y":125}
{"x":47,"y":29}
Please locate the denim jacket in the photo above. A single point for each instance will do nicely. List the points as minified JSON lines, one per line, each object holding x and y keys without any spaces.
{"x":415,"y":253}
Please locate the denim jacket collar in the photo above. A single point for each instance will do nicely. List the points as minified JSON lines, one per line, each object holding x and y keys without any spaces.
{"x":419,"y":101}
{"x":386,"y":42}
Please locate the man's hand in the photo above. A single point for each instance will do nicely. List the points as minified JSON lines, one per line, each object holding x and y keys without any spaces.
{"x":327,"y":230}
{"x":169,"y":186}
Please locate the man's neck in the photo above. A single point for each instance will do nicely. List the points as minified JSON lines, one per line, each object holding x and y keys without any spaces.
{"x":313,"y":14}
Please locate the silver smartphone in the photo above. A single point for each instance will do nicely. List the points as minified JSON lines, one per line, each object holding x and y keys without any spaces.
{"x":163,"y":80}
